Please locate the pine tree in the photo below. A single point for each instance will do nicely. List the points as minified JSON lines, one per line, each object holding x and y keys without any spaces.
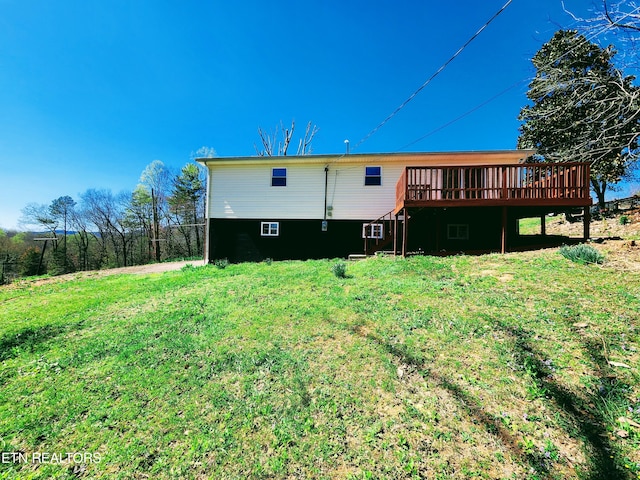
{"x":186,"y":201}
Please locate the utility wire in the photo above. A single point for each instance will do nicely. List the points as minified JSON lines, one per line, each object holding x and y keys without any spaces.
{"x":430,"y":79}
{"x":469,"y":112}
{"x":486,"y":102}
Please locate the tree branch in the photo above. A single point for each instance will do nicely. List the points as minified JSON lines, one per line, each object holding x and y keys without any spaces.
{"x":615,"y":23}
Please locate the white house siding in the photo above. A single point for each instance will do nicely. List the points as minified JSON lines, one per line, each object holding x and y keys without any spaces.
{"x":351,"y":199}
{"x":240,"y":188}
{"x":245,"y":191}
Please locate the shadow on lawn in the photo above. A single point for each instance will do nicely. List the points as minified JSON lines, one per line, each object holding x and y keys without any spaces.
{"x":589,"y":422}
{"x":587,"y":419}
{"x":28,"y":339}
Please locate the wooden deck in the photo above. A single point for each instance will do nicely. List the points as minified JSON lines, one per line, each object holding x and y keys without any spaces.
{"x":534,"y":184}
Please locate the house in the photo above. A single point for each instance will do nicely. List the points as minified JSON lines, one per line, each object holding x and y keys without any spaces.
{"x":327,"y":206}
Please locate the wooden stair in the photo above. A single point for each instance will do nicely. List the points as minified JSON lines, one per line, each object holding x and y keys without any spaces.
{"x":375,"y":244}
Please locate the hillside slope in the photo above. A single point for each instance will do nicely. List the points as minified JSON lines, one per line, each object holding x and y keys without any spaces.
{"x":498,"y":366}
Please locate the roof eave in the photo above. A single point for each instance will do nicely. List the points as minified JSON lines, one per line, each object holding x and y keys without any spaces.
{"x":512,"y":155}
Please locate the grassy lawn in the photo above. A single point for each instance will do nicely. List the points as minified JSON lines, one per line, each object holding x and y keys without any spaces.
{"x":625,"y":224}
{"x":515,"y":366}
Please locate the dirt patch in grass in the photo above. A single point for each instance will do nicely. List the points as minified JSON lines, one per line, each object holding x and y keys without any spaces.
{"x":622,"y":254}
{"x":617,"y":236}
{"x":606,"y":227}
{"x":133,"y":270}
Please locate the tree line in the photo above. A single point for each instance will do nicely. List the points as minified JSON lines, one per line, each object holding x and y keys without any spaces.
{"x":162,"y":219}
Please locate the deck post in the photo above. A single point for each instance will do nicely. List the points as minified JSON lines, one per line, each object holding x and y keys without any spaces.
{"x":395,"y":235}
{"x":366,"y":243}
{"x":438,"y":229}
{"x":503,"y":247}
{"x":543,"y":225}
{"x":405,"y":228}
{"x":586,"y":221}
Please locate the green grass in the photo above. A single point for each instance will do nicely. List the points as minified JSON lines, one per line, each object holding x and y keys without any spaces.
{"x":530,"y":226}
{"x":462,"y":367}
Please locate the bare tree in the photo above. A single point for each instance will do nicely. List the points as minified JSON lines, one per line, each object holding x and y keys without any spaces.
{"x":304,"y":146}
{"x":141,"y":213}
{"x":616,"y":22}
{"x":623,"y":15}
{"x":204,"y":152}
{"x":79,"y":222}
{"x":62,"y":210}
{"x":108,"y":213}
{"x":40,"y":216}
{"x":277,"y":143}
{"x":156,"y":180}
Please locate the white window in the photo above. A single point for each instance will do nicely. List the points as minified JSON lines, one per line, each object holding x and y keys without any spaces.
{"x":270,"y":229}
{"x":457,"y":231}
{"x":372,"y":230}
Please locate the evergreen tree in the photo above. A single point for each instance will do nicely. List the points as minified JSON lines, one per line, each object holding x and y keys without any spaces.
{"x":186,"y":203}
{"x":584,"y":109}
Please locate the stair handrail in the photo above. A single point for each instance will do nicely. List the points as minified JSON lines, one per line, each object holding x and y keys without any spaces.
{"x":381,"y":219}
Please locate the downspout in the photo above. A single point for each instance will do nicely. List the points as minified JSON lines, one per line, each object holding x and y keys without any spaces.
{"x":326,"y":189}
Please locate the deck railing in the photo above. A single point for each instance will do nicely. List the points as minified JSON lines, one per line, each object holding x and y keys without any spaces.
{"x":525,"y":184}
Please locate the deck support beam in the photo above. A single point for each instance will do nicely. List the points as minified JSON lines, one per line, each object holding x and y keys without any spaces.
{"x":586,"y":222}
{"x":438,"y":229}
{"x":503,"y":240}
{"x":543,"y":225}
{"x":395,"y":235}
{"x":405,"y":228}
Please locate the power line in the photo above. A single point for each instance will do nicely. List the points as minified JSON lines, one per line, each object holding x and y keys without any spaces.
{"x":467,"y":113}
{"x":486,"y":102}
{"x":430,"y":79}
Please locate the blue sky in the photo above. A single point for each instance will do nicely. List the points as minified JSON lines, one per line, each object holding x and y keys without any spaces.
{"x":91,"y":91}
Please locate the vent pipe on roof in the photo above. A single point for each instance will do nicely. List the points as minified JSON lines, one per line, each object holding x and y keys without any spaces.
{"x":346,"y":142}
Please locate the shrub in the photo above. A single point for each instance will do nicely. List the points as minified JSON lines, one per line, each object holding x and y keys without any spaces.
{"x":221,"y":263}
{"x":581,"y":254}
{"x":60,"y":263}
{"x":29,"y":262}
{"x":339,"y":269}
{"x":624,"y":220}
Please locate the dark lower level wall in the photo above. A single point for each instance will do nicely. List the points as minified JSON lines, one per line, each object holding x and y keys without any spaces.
{"x":241,"y":240}
{"x":441,"y":230}
{"x":428,"y":231}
